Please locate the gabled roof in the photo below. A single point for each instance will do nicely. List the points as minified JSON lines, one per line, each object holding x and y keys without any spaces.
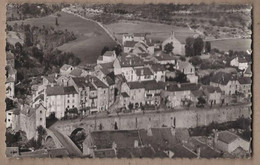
{"x":122,"y":138}
{"x":135,"y":85}
{"x":162,"y":56}
{"x":109,"y":53}
{"x":130,"y":44}
{"x":50,"y":78}
{"x":76,"y":72}
{"x":110,"y":81}
{"x":157,"y":67}
{"x":222,"y":78}
{"x":227,"y":137}
{"x":184,"y":64}
{"x":108,"y":65}
{"x":81,"y":82}
{"x":182,"y":87}
{"x":245,"y":80}
{"x":65,"y":67}
{"x":248,"y":70}
{"x":211,"y":89}
{"x":153,"y":85}
{"x":124,"y":94}
{"x":146,"y":71}
{"x":131,"y":60}
{"x":60,"y":90}
{"x":97,"y":82}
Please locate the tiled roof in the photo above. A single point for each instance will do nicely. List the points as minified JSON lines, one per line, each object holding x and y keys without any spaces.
{"x":108,"y":65}
{"x":59,"y":90}
{"x":131,"y":60}
{"x":110,"y":81}
{"x":222,"y":78}
{"x":227,"y":137}
{"x":124,"y":94}
{"x":182,"y":87}
{"x":245,"y":80}
{"x":143,"y":71}
{"x":105,"y":153}
{"x":162,"y":56}
{"x":135,"y":85}
{"x":153,"y":85}
{"x":109,"y":53}
{"x":76,"y":72}
{"x":41,"y":96}
{"x":157,"y":67}
{"x":122,"y":138}
{"x":130,"y":44}
{"x":211,"y":89}
{"x":197,"y":93}
{"x":139,"y":34}
{"x":65,"y":67}
{"x":50,"y":78}
{"x":80,"y":82}
{"x":182,"y":152}
{"x":97,"y":82}
{"x":184,"y":64}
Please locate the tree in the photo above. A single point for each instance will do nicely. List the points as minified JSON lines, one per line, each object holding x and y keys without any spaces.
{"x":168,"y":47}
{"x":104,"y":50}
{"x":201,"y":101}
{"x":181,"y":78}
{"x":56,"y":21}
{"x":189,"y":52}
{"x":207,"y":47}
{"x":182,"y":58}
{"x":196,"y":61}
{"x":198,"y":46}
{"x":118,"y":50}
{"x":131,"y":106}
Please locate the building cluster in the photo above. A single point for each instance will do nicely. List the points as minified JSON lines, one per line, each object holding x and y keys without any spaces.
{"x":11,"y":74}
{"x":163,"y":142}
{"x":136,"y":79}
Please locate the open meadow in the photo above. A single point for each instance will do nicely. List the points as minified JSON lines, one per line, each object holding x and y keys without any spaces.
{"x":91,"y":38}
{"x":158,"y":31}
{"x":232,"y":44}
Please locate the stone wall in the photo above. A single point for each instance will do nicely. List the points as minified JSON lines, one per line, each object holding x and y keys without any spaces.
{"x":179,"y":119}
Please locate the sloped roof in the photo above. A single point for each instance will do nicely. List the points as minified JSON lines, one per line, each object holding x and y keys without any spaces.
{"x":248,"y":70}
{"x":97,"y":82}
{"x":65,"y":67}
{"x":139,"y":34}
{"x":184,"y":64}
{"x":245,"y":80}
{"x":242,"y":60}
{"x":10,"y":79}
{"x":123,"y":138}
{"x":157,"y":67}
{"x":108,"y":65}
{"x":80,"y":82}
{"x":222,"y":78}
{"x":130,"y":44}
{"x":60,"y":90}
{"x":135,"y":85}
{"x":227,"y":137}
{"x":131,"y":60}
{"x":109,"y":53}
{"x":211,"y":89}
{"x":76,"y":72}
{"x":146,"y":71}
{"x":110,"y":81}
{"x":105,"y":153}
{"x":182,"y":152}
{"x":50,"y":78}
{"x":182,"y":87}
{"x":162,"y":56}
{"x":153,"y":85}
{"x":124,"y":94}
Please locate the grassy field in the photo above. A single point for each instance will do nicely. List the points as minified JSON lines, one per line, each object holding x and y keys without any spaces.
{"x":232,"y":44}
{"x":91,"y":38}
{"x":158,"y":31}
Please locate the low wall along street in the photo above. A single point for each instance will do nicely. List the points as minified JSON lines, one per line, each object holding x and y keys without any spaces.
{"x":179,"y":119}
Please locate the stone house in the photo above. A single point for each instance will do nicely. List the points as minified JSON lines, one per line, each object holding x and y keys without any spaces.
{"x":178,"y":94}
{"x":107,"y":57}
{"x":239,"y":62}
{"x":159,"y":72}
{"x":153,"y":91}
{"x":178,"y":44}
{"x":66,"y":69}
{"x":143,"y":74}
{"x":58,"y":98}
{"x":164,"y":58}
{"x":185,"y":67}
{"x":136,"y":92}
{"x":227,"y":141}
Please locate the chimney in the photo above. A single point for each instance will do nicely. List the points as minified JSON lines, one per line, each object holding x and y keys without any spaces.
{"x":136,"y":144}
{"x":215,"y":137}
{"x":179,"y":85}
{"x":173,"y":131}
{"x":198,"y":152}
